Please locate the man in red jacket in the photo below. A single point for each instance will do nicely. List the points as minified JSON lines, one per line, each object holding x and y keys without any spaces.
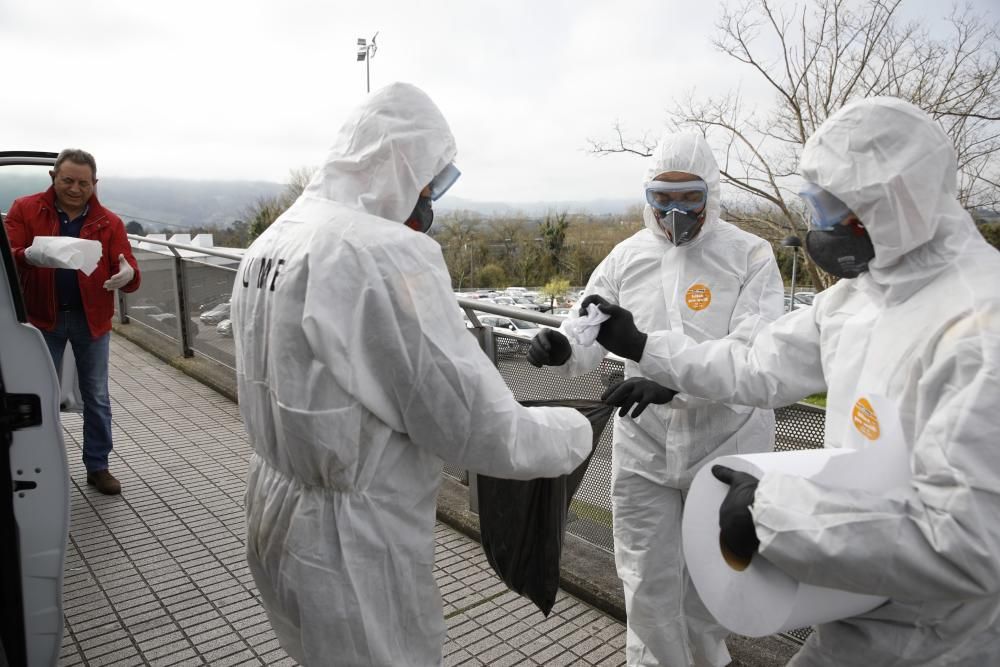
{"x":68,"y":304}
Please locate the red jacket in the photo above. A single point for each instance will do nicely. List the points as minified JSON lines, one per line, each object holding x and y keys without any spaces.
{"x":35,"y":215}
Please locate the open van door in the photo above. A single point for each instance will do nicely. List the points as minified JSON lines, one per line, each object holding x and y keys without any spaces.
{"x":34,"y":475}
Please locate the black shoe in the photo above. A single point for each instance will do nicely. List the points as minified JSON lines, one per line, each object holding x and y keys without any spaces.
{"x":105,"y":482}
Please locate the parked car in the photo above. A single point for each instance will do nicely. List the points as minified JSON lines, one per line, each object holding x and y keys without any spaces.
{"x":216,"y":314}
{"x":225,"y":328}
{"x":801,"y":301}
{"x":544,"y":303}
{"x":213,"y":302}
{"x":144,"y":311}
{"x":806,"y":296}
{"x":518,"y":329}
{"x":527,"y":304}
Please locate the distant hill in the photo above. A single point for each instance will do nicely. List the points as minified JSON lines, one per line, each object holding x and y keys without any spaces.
{"x":535,"y":209}
{"x":156,"y":202}
{"x":179,"y":204}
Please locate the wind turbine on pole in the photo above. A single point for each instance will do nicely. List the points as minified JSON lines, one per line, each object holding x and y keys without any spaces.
{"x":366,"y":51}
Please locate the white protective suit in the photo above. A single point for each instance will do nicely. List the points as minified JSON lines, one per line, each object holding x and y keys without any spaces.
{"x":722,"y":280}
{"x":357,"y":378}
{"x":921,"y":328}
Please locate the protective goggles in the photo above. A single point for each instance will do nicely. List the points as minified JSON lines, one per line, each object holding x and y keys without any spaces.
{"x":825,"y":210}
{"x":444,"y":180}
{"x":686,"y":196}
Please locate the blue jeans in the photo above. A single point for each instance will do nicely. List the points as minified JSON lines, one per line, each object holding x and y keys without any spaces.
{"x":92,"y":370}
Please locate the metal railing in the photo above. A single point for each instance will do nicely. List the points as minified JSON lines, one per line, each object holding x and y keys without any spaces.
{"x":186,"y":281}
{"x":179,"y":283}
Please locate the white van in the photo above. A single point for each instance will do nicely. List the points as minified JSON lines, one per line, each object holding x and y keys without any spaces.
{"x":34,"y":475}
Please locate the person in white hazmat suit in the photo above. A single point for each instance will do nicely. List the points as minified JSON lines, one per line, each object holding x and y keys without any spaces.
{"x":357,"y":378}
{"x":916,"y":321}
{"x":691,"y":272}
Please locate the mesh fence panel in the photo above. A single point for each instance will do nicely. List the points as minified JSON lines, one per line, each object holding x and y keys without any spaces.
{"x":798,"y":426}
{"x":455,"y":472}
{"x":590,"y":512}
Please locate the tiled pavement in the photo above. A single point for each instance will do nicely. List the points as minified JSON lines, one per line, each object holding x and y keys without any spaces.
{"x":157,"y":576}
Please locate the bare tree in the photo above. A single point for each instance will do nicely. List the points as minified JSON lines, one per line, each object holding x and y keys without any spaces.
{"x":819,"y":55}
{"x":460,"y":245}
{"x":265,"y":210}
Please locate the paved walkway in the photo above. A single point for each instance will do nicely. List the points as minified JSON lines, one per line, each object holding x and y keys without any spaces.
{"x":157,"y":576}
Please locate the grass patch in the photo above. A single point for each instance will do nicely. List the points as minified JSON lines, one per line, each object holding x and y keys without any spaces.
{"x":592,"y":513}
{"x":816,"y":399}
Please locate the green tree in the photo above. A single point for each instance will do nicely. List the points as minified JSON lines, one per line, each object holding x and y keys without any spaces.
{"x":134,"y":227}
{"x":262,"y":213}
{"x":991,"y":232}
{"x":554,"y":289}
{"x":458,"y":237}
{"x":553,"y":233}
{"x":491,"y":275}
{"x":238,"y":235}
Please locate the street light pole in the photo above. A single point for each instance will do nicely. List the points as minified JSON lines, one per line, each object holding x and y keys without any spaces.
{"x":366,"y":51}
{"x":793,"y":242}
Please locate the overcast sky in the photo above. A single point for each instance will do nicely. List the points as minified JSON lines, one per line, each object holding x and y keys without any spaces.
{"x":244,"y":89}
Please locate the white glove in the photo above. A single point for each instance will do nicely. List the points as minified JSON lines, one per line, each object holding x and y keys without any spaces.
{"x":63,"y":252}
{"x":122,"y":278}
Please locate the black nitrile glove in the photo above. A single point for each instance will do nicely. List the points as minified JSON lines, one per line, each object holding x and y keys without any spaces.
{"x":549,"y":348}
{"x":639,"y":392}
{"x":735,"y":523}
{"x":618,"y":334}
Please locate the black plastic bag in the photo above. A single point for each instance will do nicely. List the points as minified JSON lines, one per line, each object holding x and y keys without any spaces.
{"x":522,"y":522}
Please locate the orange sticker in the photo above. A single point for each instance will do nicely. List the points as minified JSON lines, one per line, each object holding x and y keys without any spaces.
{"x":698,"y":297}
{"x":865,"y":419}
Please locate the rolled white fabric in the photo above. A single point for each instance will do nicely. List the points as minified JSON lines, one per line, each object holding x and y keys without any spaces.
{"x":64,"y":252}
{"x":759,"y":599}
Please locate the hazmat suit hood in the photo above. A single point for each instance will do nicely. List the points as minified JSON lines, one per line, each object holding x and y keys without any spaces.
{"x":896,"y":169}
{"x":386,"y":152}
{"x":689,"y":152}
